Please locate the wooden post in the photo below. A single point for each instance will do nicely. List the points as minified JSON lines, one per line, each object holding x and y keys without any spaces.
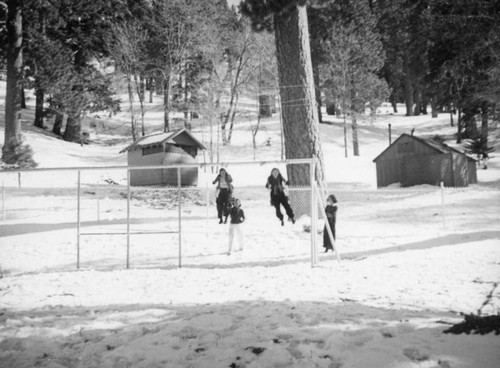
{"x":390,"y":134}
{"x":327,"y":225}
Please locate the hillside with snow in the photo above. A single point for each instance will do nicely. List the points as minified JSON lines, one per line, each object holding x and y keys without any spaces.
{"x":410,"y":262}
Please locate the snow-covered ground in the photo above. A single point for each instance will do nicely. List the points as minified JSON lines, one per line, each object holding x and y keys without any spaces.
{"x":409,"y":267}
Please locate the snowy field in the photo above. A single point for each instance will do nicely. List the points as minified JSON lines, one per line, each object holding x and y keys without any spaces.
{"x":408,"y":270}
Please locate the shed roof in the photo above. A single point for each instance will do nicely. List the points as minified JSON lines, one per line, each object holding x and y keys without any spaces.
{"x":439,"y":147}
{"x":161,"y":138}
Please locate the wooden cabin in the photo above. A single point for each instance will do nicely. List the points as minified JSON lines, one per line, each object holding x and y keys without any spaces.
{"x":167,"y":148}
{"x":412,"y":160}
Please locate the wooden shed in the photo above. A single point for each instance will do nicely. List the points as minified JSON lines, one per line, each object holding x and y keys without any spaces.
{"x":166,"y":148}
{"x":412,"y":160}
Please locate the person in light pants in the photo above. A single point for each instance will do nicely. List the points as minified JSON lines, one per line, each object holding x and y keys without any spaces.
{"x":237,"y":218}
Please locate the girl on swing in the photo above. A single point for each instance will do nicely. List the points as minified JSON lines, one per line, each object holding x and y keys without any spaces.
{"x":276,"y":184}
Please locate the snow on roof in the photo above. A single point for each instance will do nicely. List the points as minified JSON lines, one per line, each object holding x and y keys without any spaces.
{"x":160,"y":138}
{"x":434,"y":144}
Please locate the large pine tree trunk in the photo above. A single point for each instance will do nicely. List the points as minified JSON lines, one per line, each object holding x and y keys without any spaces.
{"x":408,"y":87}
{"x":317,"y":90}
{"x":39,"y":94}
{"x":469,"y":124}
{"x":166,"y":104}
{"x":58,"y":123}
{"x":130,"y":90}
{"x":459,"y":126}
{"x":14,"y":81}
{"x":299,"y":113}
{"x":484,"y":124}
{"x":73,"y":131}
{"x":434,"y":112}
{"x":355,"y":139}
{"x":418,"y":102}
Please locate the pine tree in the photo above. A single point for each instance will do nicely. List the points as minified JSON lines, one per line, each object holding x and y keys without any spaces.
{"x":61,"y":46}
{"x":479,"y":147}
{"x":353,"y":55}
{"x":14,"y":152}
{"x":299,"y":112}
{"x":465,"y":54}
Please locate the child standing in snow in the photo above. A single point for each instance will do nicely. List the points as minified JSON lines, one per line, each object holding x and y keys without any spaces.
{"x":224,"y":192}
{"x":237,"y":217}
{"x":331,"y":216}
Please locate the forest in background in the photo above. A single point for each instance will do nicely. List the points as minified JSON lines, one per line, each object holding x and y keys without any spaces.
{"x":202,"y":56}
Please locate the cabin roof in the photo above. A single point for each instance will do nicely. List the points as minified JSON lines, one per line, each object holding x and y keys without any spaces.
{"x":163,"y":138}
{"x":437,"y":146}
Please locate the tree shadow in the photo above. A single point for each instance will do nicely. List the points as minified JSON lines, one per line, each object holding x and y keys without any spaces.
{"x":451,"y":239}
{"x":27,"y":228}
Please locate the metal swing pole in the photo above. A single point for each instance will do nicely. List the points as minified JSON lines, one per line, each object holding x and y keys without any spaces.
{"x":327,"y":225}
{"x":314,"y":251}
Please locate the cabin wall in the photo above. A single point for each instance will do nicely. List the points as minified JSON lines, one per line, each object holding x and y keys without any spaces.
{"x":402,"y":163}
{"x":178,"y":156}
{"x":440,"y":170}
{"x":472,"y":171}
{"x":145,"y":177}
{"x":411,"y":162}
{"x":464,"y":171}
{"x":388,"y":172}
{"x":171,"y":155}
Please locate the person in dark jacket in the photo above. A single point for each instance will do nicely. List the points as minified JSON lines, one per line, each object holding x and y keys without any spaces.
{"x":331,"y":216}
{"x":276,"y":184}
{"x":237,"y":216}
{"x":224,"y":193}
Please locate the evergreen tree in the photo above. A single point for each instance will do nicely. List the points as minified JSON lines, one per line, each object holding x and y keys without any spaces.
{"x":404,"y":27}
{"x":75,"y":34}
{"x":14,"y":151}
{"x":354,"y":54}
{"x":299,"y":112}
{"x":480,"y":148}
{"x":464,"y":58}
